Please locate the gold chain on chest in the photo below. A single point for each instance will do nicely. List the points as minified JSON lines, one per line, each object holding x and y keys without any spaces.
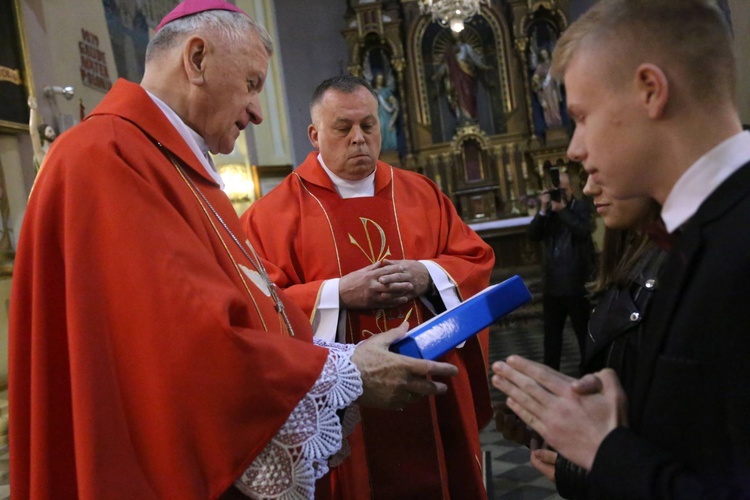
{"x":255,"y":260}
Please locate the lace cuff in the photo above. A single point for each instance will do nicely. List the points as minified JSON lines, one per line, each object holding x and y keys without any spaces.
{"x":297,"y":456}
{"x":351,"y":416}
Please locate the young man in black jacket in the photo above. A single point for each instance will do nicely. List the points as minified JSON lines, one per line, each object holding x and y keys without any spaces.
{"x":651,"y":85}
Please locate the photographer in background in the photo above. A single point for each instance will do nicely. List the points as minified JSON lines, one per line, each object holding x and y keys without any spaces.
{"x":563,"y":224}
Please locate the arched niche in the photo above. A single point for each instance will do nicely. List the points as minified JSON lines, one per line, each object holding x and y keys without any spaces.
{"x":548,"y":108}
{"x":375,"y":48}
{"x":483,"y":45}
{"x":477,"y":193}
{"x":377,"y":63}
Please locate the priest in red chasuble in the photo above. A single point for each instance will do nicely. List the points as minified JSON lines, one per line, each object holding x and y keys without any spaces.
{"x":362,"y":246}
{"x":151,"y":357}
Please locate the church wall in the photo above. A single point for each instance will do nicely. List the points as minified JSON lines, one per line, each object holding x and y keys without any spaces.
{"x":52,"y":32}
{"x":270,"y":143}
{"x":56,"y":30}
{"x":312,"y":49}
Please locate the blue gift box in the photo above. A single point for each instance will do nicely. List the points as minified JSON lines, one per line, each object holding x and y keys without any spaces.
{"x":440,"y":334}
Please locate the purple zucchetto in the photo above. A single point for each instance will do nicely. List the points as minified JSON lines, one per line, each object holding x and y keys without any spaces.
{"x":190,"y":7}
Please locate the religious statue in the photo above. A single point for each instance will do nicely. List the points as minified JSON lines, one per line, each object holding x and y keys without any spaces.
{"x":459,"y":71}
{"x":547,"y":90}
{"x":41,"y":134}
{"x":388,"y":108}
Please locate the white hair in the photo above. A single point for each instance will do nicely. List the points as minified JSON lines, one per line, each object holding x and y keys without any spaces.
{"x":231,"y":26}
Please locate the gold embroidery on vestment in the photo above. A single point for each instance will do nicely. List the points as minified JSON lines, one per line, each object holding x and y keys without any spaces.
{"x":349,"y":335}
{"x":383,"y":252}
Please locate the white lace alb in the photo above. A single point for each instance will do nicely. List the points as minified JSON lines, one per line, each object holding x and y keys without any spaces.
{"x":311,"y":440}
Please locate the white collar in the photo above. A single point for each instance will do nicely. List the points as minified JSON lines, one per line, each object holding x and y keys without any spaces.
{"x":196,"y":143}
{"x":702,"y":178}
{"x":351,"y":189}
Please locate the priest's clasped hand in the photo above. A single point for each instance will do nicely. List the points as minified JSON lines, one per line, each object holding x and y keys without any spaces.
{"x":384,"y":284}
{"x":409,"y":271}
{"x":391,"y":380}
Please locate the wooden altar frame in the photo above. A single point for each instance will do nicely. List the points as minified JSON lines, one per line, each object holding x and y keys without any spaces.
{"x":14,"y":34}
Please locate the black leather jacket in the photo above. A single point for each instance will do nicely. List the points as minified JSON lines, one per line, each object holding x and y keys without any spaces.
{"x":615,"y":330}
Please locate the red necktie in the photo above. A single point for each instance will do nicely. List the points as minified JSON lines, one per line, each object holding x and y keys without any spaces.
{"x":659,"y":235}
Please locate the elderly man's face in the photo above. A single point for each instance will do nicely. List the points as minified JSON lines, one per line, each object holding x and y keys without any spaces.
{"x":228,"y":101}
{"x":346,"y":131}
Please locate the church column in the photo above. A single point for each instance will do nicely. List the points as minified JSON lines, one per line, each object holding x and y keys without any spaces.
{"x":497,"y":154}
{"x":398,"y":64}
{"x":521,"y":46}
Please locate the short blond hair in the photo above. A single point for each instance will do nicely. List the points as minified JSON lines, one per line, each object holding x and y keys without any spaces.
{"x":691,"y":36}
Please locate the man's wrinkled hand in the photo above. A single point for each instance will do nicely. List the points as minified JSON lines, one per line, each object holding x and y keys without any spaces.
{"x":366,"y":288}
{"x":384,"y":284}
{"x":408,"y":271}
{"x":391,"y":380}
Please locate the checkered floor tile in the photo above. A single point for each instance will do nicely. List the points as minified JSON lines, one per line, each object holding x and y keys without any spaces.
{"x":513,"y":477}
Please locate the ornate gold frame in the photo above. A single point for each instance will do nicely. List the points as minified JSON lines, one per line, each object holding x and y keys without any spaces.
{"x":7,"y":254}
{"x":502,"y":32}
{"x":8,"y":126}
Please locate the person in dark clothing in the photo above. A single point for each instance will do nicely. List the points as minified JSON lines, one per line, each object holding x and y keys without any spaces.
{"x":622,"y":290}
{"x":624,"y":286}
{"x":656,"y":116}
{"x":563,"y":224}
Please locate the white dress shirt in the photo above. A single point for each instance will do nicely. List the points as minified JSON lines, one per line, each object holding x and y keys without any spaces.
{"x":702,"y":178}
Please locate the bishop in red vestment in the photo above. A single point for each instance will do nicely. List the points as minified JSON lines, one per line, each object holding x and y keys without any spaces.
{"x":150,"y":356}
{"x":138,"y":343}
{"x":313,"y":235}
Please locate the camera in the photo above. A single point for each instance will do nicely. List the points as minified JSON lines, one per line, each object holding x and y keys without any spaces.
{"x":555,"y":193}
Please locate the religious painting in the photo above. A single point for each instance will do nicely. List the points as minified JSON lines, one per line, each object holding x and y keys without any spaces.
{"x":478,"y":205}
{"x":463,"y":78}
{"x":547,"y":95}
{"x":473,"y":161}
{"x":378,"y":71}
{"x":14,"y":79}
{"x":131,"y":24}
